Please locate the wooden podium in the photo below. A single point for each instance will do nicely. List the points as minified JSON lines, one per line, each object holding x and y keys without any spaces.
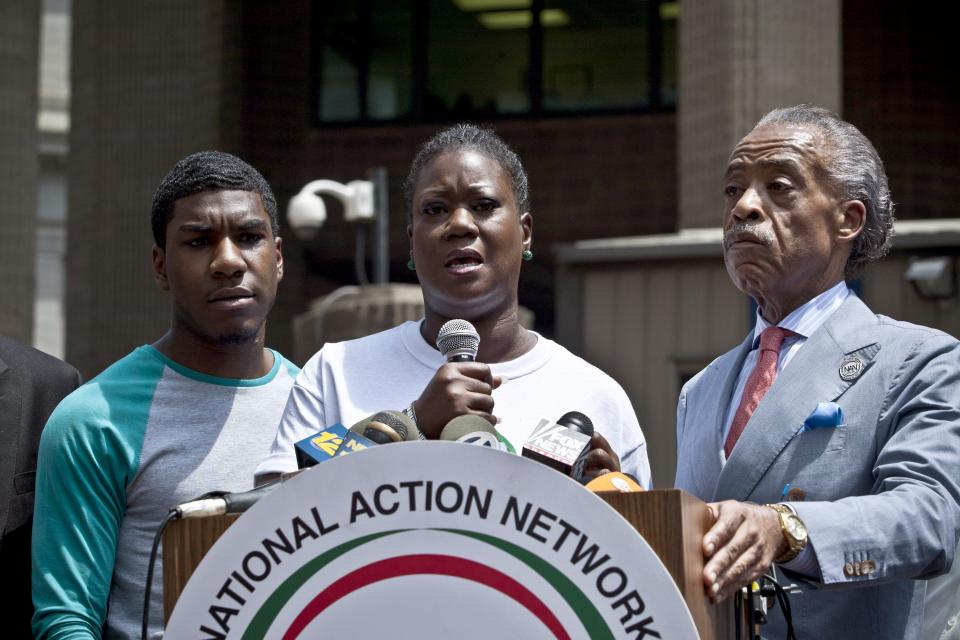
{"x":671,"y":521}
{"x":185,"y":542}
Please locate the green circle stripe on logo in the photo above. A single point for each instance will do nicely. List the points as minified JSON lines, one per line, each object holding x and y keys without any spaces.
{"x":271,"y":608}
{"x":578,"y":602}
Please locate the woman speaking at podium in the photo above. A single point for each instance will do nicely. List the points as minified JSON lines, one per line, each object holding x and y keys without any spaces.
{"x":470,"y":232}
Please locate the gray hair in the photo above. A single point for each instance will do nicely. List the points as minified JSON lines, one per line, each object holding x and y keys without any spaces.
{"x":856,"y":172}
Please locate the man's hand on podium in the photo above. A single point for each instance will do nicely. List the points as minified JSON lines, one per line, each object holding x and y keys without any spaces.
{"x":740,"y":546}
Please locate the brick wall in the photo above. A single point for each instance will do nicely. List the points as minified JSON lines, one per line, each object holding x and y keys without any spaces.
{"x":900,"y":89}
{"x":590,"y":176}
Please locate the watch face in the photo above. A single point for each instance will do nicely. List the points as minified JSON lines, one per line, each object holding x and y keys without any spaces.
{"x":795,"y":527}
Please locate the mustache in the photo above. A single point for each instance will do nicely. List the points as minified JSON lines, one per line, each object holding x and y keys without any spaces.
{"x":753,"y":231}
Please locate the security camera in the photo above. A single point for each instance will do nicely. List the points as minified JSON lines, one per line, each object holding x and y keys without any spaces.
{"x":307,"y":213}
{"x":933,"y":277}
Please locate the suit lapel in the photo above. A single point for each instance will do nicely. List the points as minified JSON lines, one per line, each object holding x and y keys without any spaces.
{"x":9,"y":436}
{"x":813,"y":376}
{"x":707,"y":428}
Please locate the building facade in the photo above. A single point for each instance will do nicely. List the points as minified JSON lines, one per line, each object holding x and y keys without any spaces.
{"x":623,"y":111}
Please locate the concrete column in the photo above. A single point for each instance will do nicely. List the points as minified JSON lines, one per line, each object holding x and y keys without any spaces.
{"x":738,"y":60}
{"x":150,"y":85}
{"x":19,"y":68}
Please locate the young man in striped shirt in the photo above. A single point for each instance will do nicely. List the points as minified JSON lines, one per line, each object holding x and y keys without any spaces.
{"x":193,"y":412}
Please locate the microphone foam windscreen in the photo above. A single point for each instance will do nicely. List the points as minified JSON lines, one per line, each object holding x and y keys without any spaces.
{"x":400,"y":423}
{"x":374,"y":429}
{"x":381,"y":431}
{"x":462,"y":425}
{"x":458,"y":337}
{"x":360,"y":425}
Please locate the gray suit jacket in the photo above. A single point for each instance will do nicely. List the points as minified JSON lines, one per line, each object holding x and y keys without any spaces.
{"x":881,"y":491}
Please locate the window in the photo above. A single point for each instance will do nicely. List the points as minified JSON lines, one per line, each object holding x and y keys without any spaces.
{"x":598,"y":58}
{"x":363,"y":65}
{"x":423,"y":60}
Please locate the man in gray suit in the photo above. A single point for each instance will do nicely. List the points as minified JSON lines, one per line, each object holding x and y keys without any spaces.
{"x":828,"y":442}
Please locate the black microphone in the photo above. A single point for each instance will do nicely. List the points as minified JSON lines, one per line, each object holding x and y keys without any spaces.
{"x":578,"y":422}
{"x":229,"y":503}
{"x":562,"y":445}
{"x":458,"y":341}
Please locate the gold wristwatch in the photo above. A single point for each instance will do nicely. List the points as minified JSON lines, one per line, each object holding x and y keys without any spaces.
{"x":794,"y":531}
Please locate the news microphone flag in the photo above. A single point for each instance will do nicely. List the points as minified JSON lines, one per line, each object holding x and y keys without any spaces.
{"x":559,"y":447}
{"x":319,"y":447}
{"x":353,"y":442}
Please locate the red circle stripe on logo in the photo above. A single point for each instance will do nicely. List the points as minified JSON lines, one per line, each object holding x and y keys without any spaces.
{"x":426,"y":564}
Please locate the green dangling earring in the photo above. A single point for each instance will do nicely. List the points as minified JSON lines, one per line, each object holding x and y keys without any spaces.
{"x":527,"y":255}
{"x":410,"y":265}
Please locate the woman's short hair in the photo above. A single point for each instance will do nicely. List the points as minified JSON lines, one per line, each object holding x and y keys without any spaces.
{"x":469,"y":137}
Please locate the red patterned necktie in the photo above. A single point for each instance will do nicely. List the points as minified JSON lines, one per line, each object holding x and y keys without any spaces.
{"x":760,"y":380}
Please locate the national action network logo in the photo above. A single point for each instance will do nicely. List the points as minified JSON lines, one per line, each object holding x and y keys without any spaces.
{"x":476,"y":543}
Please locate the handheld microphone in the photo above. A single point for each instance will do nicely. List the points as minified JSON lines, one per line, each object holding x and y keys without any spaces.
{"x":387,"y":426}
{"x":319,"y":447}
{"x":458,"y":341}
{"x":613,"y":481}
{"x":396,"y":418}
{"x":229,"y":503}
{"x":383,"y":427}
{"x":562,"y":445}
{"x":471,"y":429}
{"x":390,"y":426}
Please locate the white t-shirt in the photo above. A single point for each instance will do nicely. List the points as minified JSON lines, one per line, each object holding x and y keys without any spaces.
{"x":345,"y":382}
